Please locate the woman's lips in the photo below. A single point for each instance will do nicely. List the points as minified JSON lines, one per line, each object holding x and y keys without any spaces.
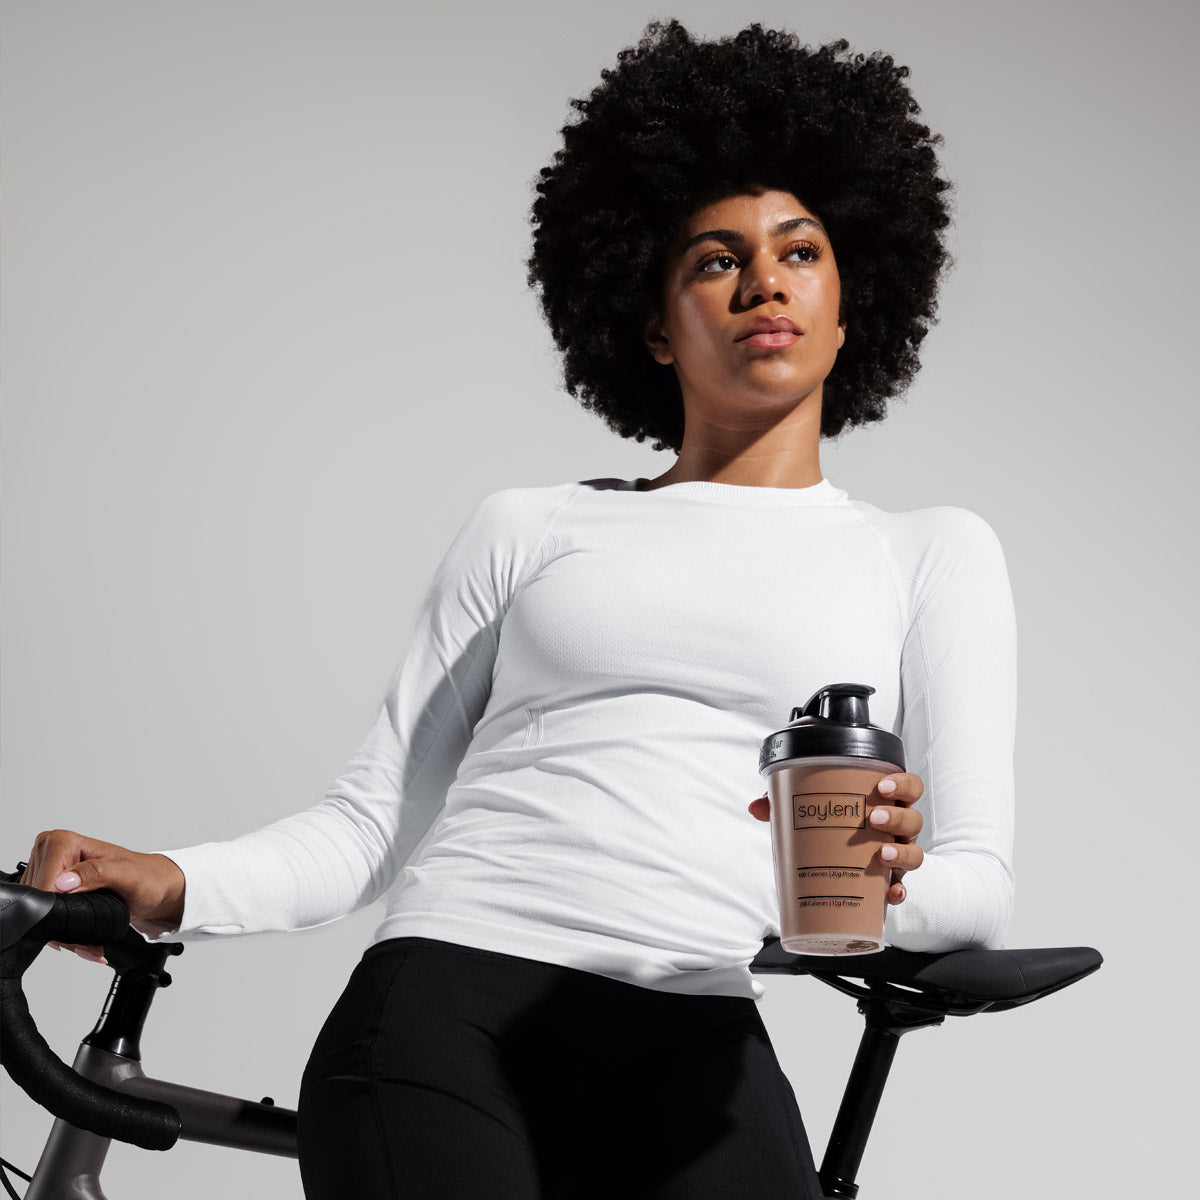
{"x":769,"y":333}
{"x":771,"y":341}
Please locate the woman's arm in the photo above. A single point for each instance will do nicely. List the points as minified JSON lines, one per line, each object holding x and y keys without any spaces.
{"x":343,"y":852}
{"x":339,"y":855}
{"x":958,"y":687}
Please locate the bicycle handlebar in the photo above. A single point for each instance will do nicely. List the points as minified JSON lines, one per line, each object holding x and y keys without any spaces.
{"x":90,"y":918}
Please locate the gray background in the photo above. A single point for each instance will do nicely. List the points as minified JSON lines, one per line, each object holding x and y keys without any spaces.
{"x":267,"y":343}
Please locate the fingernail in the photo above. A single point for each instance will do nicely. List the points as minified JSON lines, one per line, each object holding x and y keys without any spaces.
{"x":888,"y":853}
{"x":887,"y":786}
{"x":87,"y":956}
{"x":68,"y":881}
{"x":879,"y":816}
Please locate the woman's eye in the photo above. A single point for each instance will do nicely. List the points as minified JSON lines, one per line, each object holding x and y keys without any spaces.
{"x":804,"y":252}
{"x":718,"y":263}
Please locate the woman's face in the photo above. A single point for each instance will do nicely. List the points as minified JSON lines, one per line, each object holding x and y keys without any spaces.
{"x":750,"y":309}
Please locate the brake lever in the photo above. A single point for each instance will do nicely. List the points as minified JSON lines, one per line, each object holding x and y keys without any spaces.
{"x":21,"y":908}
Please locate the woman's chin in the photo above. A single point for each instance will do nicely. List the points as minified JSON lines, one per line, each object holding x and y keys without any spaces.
{"x":762,"y":407}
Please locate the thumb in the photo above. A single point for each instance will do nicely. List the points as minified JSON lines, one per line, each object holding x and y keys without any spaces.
{"x":90,"y":874}
{"x":72,"y":879}
{"x":58,"y":857}
{"x":761,"y":808}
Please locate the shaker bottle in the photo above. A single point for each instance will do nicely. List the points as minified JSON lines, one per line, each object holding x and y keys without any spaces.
{"x":820,"y":771}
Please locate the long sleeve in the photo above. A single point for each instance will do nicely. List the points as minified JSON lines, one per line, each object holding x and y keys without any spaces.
{"x":339,"y":855}
{"x":958,"y":687}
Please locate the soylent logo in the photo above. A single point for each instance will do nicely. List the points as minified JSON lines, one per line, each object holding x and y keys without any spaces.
{"x":828,"y":810}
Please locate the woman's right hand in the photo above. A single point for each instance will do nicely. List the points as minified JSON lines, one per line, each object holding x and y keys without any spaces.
{"x":150,"y":884}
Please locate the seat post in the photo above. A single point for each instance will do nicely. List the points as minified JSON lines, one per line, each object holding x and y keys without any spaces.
{"x":887,"y":1020}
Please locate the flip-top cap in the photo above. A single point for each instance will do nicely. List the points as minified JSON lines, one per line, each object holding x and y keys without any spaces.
{"x":835,"y":723}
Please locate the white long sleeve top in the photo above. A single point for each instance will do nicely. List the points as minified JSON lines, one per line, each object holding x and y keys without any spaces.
{"x":577,"y":723}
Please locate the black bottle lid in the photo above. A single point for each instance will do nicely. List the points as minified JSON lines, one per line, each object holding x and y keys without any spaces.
{"x":834,"y":723}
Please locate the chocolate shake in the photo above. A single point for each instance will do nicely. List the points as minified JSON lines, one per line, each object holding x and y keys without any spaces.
{"x":821,"y":771}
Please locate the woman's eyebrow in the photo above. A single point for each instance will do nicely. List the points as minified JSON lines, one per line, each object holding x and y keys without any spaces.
{"x":732,"y":235}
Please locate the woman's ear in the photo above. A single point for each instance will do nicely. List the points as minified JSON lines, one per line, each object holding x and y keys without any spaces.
{"x":655,"y":337}
{"x":841,"y":334}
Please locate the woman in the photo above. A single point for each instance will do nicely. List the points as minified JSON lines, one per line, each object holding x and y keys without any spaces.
{"x":737,"y":249}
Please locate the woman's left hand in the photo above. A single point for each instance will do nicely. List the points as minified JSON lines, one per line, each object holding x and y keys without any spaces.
{"x":891,"y":807}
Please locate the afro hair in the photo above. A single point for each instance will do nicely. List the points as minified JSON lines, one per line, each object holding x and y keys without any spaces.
{"x":680,"y":123}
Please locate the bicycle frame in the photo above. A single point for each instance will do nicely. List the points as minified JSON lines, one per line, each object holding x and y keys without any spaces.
{"x":72,"y":1159}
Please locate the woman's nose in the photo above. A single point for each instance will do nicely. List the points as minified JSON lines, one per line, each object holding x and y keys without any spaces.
{"x":763,"y":279}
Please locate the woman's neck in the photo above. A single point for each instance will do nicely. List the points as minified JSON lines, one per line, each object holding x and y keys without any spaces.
{"x":784,"y":456}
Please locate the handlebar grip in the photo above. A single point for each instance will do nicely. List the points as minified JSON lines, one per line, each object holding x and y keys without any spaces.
{"x":90,"y":918}
{"x":85,"y":919}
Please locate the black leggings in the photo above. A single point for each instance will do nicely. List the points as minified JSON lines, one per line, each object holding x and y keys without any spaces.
{"x":445,"y":1071}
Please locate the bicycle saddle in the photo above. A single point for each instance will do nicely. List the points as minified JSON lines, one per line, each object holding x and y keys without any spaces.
{"x":959,"y":982}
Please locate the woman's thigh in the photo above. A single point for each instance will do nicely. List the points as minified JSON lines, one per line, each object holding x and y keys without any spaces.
{"x":404,"y":1096}
{"x":707,"y":1114}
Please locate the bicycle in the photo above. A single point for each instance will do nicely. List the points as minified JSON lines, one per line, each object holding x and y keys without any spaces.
{"x":106,"y":1094}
